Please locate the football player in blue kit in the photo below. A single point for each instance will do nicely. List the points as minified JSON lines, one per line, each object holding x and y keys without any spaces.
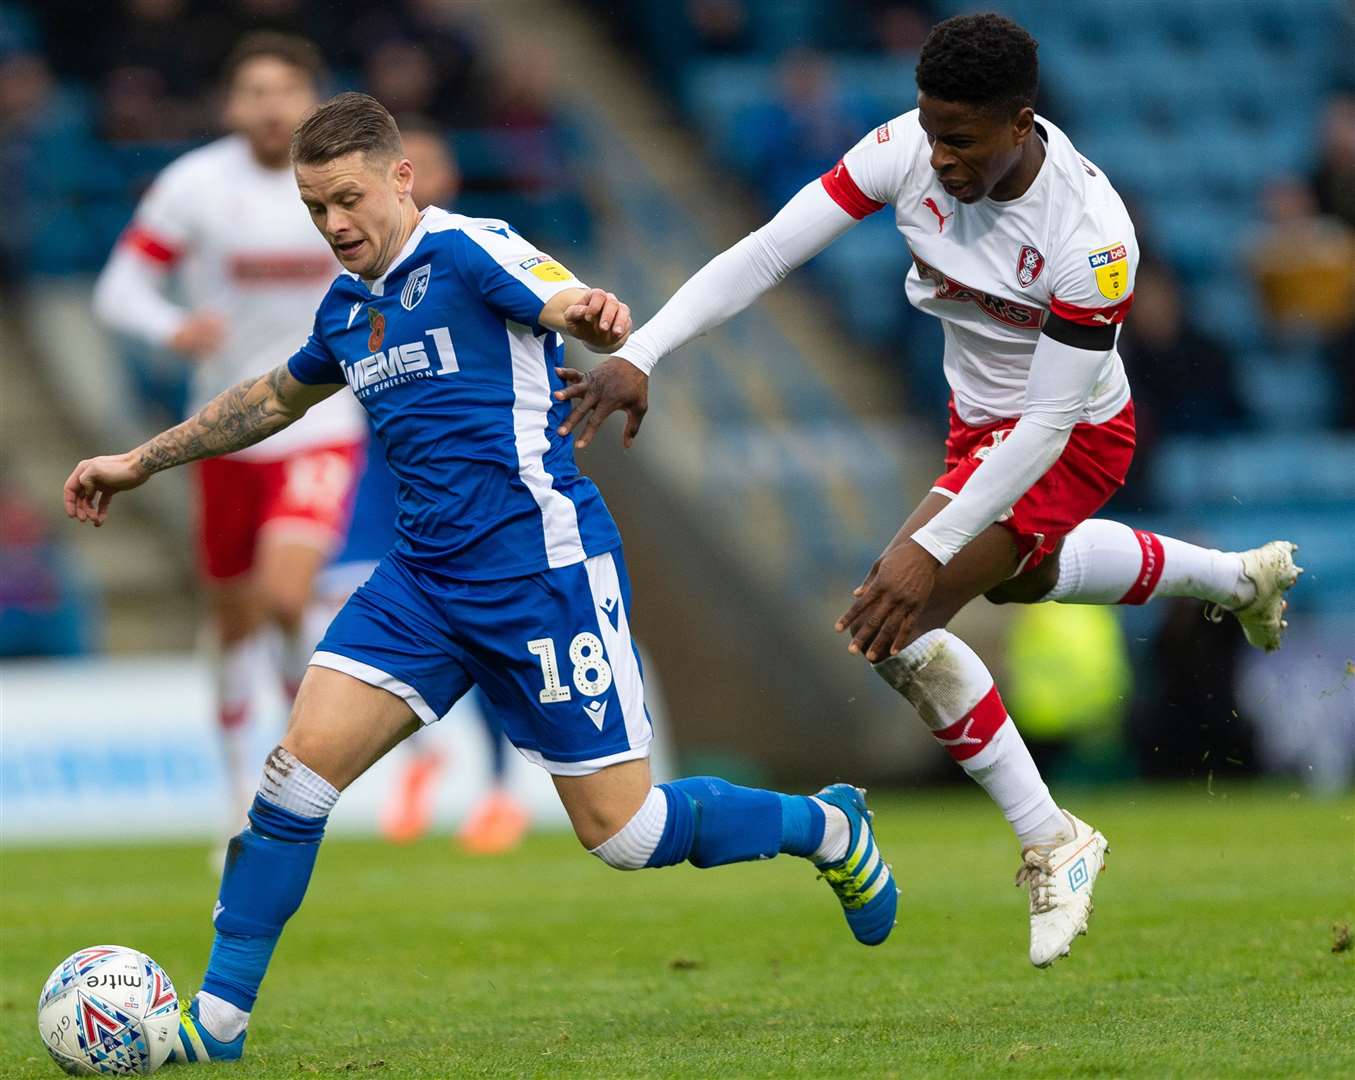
{"x":497,"y":822}
{"x":508,"y":572}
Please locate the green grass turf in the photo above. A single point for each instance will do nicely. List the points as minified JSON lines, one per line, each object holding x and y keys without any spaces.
{"x":1210,"y":953}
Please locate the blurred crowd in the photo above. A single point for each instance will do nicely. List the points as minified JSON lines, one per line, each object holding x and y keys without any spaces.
{"x":96,"y":96}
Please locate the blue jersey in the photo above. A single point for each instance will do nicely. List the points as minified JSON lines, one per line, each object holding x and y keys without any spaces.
{"x":371,"y":530}
{"x":445,"y":353}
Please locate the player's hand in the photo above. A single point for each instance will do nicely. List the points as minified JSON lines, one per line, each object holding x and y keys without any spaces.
{"x":599,"y":320}
{"x":199,"y":335}
{"x":615,"y":384}
{"x":887,"y":602}
{"x":90,"y":487}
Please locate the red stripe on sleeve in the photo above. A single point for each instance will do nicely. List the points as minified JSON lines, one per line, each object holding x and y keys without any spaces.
{"x":972,"y":732}
{"x":1151,"y":570}
{"x":1106,"y":316}
{"x":148,"y":244}
{"x":839,"y":184}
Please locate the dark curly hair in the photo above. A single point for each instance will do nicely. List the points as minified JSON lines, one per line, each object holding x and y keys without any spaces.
{"x":984,"y":60}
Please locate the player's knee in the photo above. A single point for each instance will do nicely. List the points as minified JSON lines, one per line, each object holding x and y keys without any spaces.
{"x":286,"y":607}
{"x":294,"y":800}
{"x":1028,"y":588}
{"x":235,"y":621}
{"x":632,"y":844}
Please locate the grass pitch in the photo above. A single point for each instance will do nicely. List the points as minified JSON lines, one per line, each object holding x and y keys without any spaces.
{"x":1210,"y":953}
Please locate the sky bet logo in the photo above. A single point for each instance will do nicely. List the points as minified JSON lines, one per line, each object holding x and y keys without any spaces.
{"x":402,"y":363}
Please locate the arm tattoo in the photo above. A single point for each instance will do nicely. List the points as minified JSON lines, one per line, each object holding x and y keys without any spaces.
{"x":241,"y":416}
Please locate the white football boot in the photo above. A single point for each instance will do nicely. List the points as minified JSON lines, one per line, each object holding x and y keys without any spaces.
{"x":1061,"y":878}
{"x":1271,"y":569}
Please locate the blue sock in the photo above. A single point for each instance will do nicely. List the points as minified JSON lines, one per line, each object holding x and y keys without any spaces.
{"x":712,"y":822}
{"x":268,"y":867}
{"x":802,"y":825}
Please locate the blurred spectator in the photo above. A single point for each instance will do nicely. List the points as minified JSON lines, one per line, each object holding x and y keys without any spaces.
{"x":1334,"y":180}
{"x":1339,"y":356}
{"x":166,"y":37}
{"x":1182,"y":379}
{"x":400,"y":75}
{"x":26,"y":91}
{"x":437,"y":180}
{"x":720,"y":27}
{"x":136,"y":107}
{"x":804,"y":130}
{"x":42,"y":132}
{"x":902,"y":28}
{"x":1304,"y":264}
{"x":452,"y":60}
{"x":524,"y":104}
{"x":41,"y":611}
{"x":1185,"y":717}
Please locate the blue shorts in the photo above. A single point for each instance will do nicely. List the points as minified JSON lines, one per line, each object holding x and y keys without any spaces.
{"x":552,"y":652}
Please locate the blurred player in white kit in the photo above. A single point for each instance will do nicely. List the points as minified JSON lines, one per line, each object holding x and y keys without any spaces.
{"x":224,"y":228}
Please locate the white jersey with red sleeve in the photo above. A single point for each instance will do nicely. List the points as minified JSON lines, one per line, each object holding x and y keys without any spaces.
{"x":991,"y":271}
{"x":238,"y":242}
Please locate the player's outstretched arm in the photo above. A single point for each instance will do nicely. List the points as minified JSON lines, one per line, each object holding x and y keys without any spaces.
{"x":721,"y":289}
{"x":239,"y":417}
{"x":593,"y":316}
{"x":603,"y":323}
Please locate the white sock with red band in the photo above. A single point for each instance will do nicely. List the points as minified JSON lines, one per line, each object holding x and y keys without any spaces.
{"x":1104,"y":562}
{"x":956,"y":697}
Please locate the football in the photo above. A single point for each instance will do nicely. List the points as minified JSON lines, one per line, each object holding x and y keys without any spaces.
{"x":108,"y":1009}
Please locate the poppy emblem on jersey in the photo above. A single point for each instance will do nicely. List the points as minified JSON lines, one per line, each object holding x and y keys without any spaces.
{"x":416,"y":285}
{"x":1029,"y":263}
{"x":377,"y":322}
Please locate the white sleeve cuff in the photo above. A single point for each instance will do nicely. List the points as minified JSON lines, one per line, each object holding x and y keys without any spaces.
{"x":640,"y":350}
{"x":1033,"y":446}
{"x":932,"y":546}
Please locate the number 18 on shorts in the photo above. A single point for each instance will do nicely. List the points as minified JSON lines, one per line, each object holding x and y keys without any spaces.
{"x":552,"y":651}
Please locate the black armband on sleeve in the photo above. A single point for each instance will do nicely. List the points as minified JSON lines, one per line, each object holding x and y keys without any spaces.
{"x":1080,"y":335}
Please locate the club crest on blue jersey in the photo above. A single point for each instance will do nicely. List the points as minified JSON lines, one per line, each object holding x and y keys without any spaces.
{"x":416,"y":286}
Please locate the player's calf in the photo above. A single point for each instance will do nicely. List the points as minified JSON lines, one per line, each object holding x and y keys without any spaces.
{"x":268,"y":866}
{"x":710,"y":822}
{"x":1104,"y":562}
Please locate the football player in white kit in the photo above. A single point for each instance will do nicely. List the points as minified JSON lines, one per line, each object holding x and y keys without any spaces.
{"x":223,"y":224}
{"x":1024,"y":251}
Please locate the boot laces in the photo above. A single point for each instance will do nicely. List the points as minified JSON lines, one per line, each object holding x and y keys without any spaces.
{"x":1037,"y":874}
{"x":846,"y":884}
